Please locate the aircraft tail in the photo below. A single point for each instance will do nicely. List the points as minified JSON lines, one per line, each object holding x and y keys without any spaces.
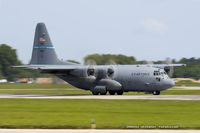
{"x":43,"y":51}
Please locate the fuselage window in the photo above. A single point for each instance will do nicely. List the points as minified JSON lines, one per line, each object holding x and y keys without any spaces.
{"x":158,"y":79}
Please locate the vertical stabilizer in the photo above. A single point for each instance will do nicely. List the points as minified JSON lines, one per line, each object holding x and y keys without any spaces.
{"x":43,"y":50}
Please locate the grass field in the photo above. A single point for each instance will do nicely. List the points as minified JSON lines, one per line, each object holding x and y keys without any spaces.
{"x":35,"y":86}
{"x":69,"y":113}
{"x":187,"y":83}
{"x":78,"y":113}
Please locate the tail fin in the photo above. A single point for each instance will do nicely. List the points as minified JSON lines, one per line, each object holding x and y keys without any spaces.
{"x":43,"y":50}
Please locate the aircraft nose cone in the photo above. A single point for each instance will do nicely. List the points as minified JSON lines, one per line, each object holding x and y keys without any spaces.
{"x":171,"y":83}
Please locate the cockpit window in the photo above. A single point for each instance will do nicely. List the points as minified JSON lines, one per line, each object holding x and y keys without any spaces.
{"x":156,"y":73}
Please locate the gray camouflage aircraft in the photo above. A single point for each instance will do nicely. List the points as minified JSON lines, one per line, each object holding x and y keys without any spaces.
{"x":99,"y":79}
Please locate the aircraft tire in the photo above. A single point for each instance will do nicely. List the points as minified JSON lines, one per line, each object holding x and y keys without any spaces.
{"x":95,"y":93}
{"x":156,"y":92}
{"x":120,"y":92}
{"x":112,"y":92}
{"x":104,"y":93}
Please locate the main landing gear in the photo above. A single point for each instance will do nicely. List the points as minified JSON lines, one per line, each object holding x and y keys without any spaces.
{"x":156,"y":92}
{"x":97,"y":93}
{"x":110,"y":92}
{"x":118,"y":92}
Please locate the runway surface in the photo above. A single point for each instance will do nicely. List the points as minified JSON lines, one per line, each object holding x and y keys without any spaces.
{"x":92,"y":131}
{"x":152,"y":97}
{"x":186,"y":88}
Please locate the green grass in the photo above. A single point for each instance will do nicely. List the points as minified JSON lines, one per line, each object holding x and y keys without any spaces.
{"x":56,"y":92}
{"x":180,"y":92}
{"x":35,"y":86}
{"x":187,"y":83}
{"x":69,"y":113}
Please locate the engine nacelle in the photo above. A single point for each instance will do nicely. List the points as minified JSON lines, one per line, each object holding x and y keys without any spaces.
{"x":110,"y":84}
{"x":105,"y":72}
{"x":83,"y":72}
{"x":79,"y":72}
{"x":97,"y":72}
{"x":167,"y":70}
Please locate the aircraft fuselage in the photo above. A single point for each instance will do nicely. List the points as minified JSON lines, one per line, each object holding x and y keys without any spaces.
{"x":131,"y":78}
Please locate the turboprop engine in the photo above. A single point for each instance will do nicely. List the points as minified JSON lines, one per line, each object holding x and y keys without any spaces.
{"x":98,"y":73}
{"x":90,"y":71}
{"x":101,"y":77}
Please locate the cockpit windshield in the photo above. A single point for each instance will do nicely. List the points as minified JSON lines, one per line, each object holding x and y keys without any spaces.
{"x":157,"y":73}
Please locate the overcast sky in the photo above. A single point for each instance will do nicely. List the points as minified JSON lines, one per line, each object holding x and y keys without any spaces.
{"x":145,"y":29}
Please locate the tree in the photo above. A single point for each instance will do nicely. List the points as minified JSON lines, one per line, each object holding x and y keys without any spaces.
{"x":8,"y":58}
{"x":73,"y":61}
{"x":110,"y":59}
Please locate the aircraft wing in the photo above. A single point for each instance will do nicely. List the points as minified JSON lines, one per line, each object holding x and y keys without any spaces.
{"x":167,"y":65}
{"x":48,"y":67}
{"x":72,"y":67}
{"x":51,"y":68}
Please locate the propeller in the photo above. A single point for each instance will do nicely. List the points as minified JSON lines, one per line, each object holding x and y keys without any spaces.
{"x":169,"y":70}
{"x":90,"y":62}
{"x":100,"y":72}
{"x":149,"y":63}
{"x":110,"y":62}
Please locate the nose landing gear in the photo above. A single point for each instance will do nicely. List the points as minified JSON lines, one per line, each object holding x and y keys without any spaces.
{"x":156,"y":92}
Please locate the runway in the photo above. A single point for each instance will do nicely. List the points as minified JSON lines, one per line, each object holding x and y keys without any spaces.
{"x":186,"y":88}
{"x":150,"y":97}
{"x":92,"y":131}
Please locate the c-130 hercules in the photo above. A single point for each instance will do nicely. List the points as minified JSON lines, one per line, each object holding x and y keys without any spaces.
{"x":99,"y":79}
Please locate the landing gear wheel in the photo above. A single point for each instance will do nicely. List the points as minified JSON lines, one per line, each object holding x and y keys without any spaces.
{"x":112,"y":92}
{"x":104,"y":93}
{"x":119,"y":92}
{"x":95,"y":93}
{"x":156,"y":92}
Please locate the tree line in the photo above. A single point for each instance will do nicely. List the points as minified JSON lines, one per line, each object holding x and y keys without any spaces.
{"x":8,"y":58}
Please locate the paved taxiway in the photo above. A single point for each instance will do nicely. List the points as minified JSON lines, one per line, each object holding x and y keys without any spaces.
{"x":152,"y":97}
{"x":92,"y":131}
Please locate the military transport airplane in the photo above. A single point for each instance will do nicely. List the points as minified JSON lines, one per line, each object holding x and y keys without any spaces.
{"x":99,"y":79}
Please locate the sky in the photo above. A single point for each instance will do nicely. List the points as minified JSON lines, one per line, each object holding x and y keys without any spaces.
{"x":146,"y":29}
